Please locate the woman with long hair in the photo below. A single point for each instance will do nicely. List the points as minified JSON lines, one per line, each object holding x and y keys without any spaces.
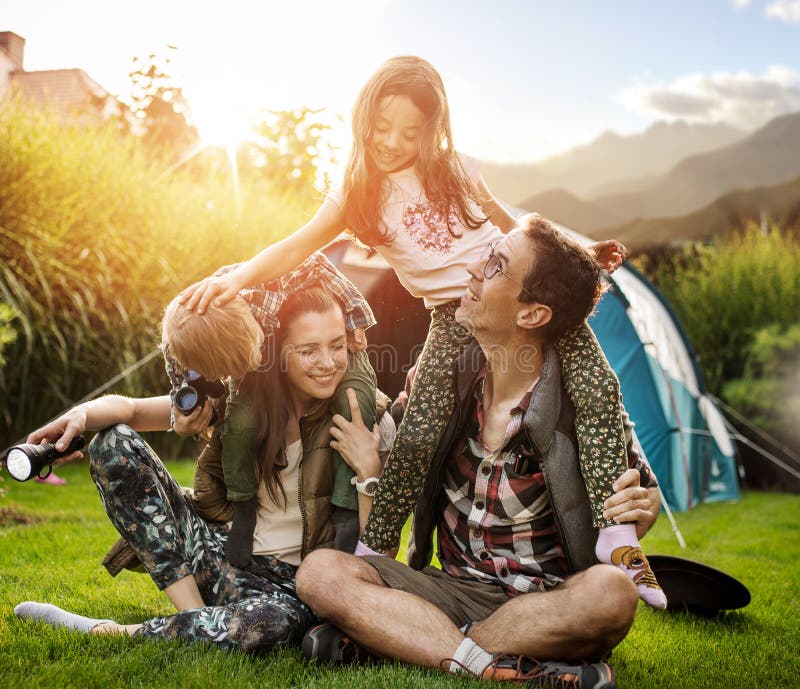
{"x":288,"y":400}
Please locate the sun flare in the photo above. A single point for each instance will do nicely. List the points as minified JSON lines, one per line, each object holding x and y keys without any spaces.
{"x":218,"y":125}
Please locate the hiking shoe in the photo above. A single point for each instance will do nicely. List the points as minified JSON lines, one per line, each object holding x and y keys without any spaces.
{"x":329,"y":644}
{"x":528,"y":672}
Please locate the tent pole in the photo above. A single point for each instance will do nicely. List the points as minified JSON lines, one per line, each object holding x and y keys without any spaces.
{"x":672,"y":521}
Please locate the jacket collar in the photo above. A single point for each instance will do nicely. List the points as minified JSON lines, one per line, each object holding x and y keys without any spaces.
{"x":469,"y":364}
{"x":545,"y":406}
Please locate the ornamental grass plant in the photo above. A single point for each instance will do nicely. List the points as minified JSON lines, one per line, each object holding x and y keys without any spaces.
{"x":95,"y":238}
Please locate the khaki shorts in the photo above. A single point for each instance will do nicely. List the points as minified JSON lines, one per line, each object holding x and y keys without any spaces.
{"x":462,"y":600}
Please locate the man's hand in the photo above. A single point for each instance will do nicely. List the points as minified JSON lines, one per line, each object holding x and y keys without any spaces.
{"x":632,"y":503}
{"x":195,"y":423}
{"x":356,"y":340}
{"x":610,"y":254}
{"x":355,"y":442}
{"x":221,"y":289}
{"x":61,"y":431}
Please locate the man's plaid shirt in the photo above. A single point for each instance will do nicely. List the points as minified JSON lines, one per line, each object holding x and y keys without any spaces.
{"x":498,"y":522}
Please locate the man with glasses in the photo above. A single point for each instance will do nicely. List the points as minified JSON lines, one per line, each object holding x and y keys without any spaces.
{"x":518,"y":577}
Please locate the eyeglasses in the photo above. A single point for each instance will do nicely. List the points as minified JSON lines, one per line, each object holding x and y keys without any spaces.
{"x":492,"y":267}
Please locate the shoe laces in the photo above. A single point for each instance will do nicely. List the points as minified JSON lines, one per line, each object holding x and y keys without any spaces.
{"x":544,"y":676}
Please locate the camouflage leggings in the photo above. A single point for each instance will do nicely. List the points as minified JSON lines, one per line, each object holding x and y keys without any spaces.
{"x":588,"y":378}
{"x":251,"y":610}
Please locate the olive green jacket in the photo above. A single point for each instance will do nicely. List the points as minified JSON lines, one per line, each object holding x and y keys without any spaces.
{"x":316,"y":485}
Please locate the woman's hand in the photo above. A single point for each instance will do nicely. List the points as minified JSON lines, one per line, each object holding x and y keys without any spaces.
{"x":220,"y":288}
{"x":61,"y":431}
{"x":632,"y":503}
{"x":355,"y":442}
{"x":610,"y":254}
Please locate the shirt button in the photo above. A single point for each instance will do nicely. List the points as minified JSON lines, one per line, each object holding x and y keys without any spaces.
{"x":478,"y":533}
{"x":484,"y":555}
{"x":504,"y":572}
{"x":479,"y":505}
{"x":486,"y":469}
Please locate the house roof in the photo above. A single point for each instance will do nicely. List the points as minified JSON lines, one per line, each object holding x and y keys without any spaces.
{"x":66,"y":86}
{"x":69,"y":90}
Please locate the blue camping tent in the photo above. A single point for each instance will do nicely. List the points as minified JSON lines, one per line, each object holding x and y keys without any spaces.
{"x":683,"y":434}
{"x":681,"y":430}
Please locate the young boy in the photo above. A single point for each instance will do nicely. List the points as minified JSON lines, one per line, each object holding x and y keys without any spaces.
{"x":228,"y":344}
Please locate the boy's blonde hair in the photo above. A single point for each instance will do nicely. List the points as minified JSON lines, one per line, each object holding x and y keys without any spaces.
{"x":224,"y":341}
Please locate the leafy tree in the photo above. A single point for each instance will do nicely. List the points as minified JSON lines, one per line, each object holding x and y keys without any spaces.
{"x":289,"y":147}
{"x":159,"y":108}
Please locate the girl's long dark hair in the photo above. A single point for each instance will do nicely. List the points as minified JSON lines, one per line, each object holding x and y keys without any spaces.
{"x":446,"y":183}
{"x":267,"y":392}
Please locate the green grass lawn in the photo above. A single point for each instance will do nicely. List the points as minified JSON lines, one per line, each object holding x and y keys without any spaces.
{"x":56,"y":558}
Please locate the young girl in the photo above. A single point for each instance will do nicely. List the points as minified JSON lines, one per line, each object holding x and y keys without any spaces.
{"x":427,"y":210}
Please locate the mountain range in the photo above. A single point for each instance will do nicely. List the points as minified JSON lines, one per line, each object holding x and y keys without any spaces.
{"x":609,"y":164}
{"x":768,"y":156}
{"x":779,"y":204}
{"x":757,"y":173}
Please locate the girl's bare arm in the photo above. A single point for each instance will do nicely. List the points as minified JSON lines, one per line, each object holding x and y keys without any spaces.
{"x":269,"y":263}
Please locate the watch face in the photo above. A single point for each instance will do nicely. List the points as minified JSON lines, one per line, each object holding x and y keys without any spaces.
{"x":370,"y":487}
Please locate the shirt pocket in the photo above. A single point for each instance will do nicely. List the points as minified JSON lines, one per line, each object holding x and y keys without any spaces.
{"x":521,"y":494}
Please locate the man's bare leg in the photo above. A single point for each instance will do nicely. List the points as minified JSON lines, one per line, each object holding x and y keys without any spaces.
{"x":582,"y":619}
{"x":350,"y":593}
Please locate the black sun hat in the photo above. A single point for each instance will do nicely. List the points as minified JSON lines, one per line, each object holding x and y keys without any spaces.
{"x":698,"y":588}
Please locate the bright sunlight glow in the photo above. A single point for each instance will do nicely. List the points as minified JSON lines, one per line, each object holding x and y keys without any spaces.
{"x":219,"y":122}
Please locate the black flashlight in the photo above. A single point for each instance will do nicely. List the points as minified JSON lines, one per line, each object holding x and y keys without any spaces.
{"x":28,"y":460}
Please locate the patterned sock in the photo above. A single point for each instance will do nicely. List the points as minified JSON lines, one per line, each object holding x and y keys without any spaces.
{"x":56,"y":617}
{"x":618,"y":545}
{"x":469,"y":659}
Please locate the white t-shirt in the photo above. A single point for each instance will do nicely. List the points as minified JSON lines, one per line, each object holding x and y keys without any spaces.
{"x":429,"y":261}
{"x":280,"y":532}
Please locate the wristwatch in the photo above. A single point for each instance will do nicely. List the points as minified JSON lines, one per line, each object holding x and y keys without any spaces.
{"x":368,"y":487}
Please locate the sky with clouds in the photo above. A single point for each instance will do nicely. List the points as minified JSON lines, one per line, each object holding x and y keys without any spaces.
{"x":525,"y":78}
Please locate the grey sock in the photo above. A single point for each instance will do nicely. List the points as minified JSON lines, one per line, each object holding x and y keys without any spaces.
{"x":56,"y":617}
{"x":470,"y":658}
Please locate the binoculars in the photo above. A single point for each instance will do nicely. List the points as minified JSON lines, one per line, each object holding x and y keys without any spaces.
{"x":195,"y":391}
{"x":28,"y":460}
